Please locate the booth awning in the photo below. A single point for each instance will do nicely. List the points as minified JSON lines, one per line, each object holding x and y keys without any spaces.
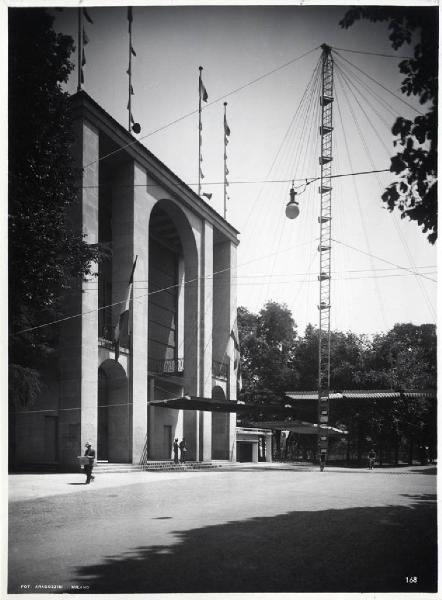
{"x":302,"y":427}
{"x":363,"y":395}
{"x":196,"y":403}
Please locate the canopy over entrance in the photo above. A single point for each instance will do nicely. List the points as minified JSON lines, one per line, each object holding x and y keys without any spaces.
{"x":197,"y":403}
{"x":302,"y":427}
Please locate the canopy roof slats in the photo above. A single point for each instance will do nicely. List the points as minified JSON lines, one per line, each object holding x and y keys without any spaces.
{"x":302,"y":427}
{"x":363,"y":394}
{"x":196,"y":403}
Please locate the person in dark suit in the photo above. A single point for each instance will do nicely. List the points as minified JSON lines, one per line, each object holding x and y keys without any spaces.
{"x":175,"y":451}
{"x":90,"y":453}
{"x":183,"y":450}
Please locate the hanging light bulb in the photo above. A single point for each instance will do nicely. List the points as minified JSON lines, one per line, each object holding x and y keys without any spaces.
{"x":292,"y":208}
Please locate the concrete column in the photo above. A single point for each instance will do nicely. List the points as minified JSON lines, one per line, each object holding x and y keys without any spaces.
{"x":233,"y":316}
{"x":89,"y":299}
{"x":232,"y":436}
{"x":139,"y":362}
{"x":268,"y":447}
{"x":255,"y":452}
{"x":192,"y":245}
{"x":206,"y":322}
{"x":232,"y":381}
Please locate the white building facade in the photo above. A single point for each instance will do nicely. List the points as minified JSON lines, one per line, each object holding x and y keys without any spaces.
{"x":183,"y":314}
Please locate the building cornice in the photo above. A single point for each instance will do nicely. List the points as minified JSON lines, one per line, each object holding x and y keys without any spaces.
{"x":83,"y":106}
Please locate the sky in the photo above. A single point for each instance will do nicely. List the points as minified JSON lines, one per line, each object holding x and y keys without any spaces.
{"x":262,"y":61}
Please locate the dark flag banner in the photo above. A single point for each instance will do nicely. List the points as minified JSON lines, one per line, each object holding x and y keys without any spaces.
{"x":203,"y":92}
{"x":88,"y":18}
{"x":83,"y":40}
{"x":122,"y":327}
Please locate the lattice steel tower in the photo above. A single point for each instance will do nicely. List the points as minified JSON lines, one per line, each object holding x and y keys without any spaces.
{"x":324,"y":248}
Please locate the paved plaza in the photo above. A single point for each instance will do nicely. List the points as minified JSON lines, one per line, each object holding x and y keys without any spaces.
{"x":258,"y":528}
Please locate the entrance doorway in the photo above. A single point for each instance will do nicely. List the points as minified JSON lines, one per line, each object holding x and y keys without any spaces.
{"x":167,"y":441}
{"x":114,"y":414}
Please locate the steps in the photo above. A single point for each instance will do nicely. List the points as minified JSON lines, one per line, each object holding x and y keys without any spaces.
{"x":169,"y":465}
{"x":104,"y":467}
{"x":153,"y":465}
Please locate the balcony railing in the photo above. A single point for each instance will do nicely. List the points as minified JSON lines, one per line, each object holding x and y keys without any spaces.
{"x":110,"y":345}
{"x":220,"y":369}
{"x":169,"y":366}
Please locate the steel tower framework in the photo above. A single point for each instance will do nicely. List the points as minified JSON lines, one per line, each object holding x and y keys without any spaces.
{"x":324,"y":248}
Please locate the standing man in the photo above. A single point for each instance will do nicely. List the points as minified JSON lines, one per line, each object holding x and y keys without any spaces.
{"x":90,"y":453}
{"x":183,"y":450}
{"x":175,"y":451}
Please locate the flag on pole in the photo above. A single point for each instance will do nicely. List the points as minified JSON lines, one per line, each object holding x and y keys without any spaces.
{"x":88,"y":18}
{"x":133,"y":51}
{"x":226,"y":127}
{"x":203,"y":92}
{"x":236,"y":353}
{"x":122,"y":326}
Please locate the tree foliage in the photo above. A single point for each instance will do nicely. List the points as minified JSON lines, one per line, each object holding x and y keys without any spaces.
{"x":275,"y":359}
{"x":267,"y":346}
{"x":414,"y":193}
{"x":46,"y":256}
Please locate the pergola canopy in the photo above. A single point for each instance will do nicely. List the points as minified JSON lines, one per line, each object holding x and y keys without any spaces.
{"x":196,"y":403}
{"x":302,"y":427}
{"x":363,"y":394}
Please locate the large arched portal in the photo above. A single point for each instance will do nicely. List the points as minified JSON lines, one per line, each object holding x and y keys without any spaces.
{"x":114,"y":414}
{"x":173,"y":339}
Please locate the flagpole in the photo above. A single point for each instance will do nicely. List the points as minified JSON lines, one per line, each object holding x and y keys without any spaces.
{"x":130,"y":371}
{"x":80,"y":47}
{"x":225,"y":160}
{"x":199,"y":131}
{"x":130,"y":67}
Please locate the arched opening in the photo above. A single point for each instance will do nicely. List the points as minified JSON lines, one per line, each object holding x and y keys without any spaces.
{"x":172,"y":325}
{"x":220,"y":428}
{"x":114,"y":414}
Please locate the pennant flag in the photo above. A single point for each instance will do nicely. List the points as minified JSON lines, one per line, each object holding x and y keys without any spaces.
{"x":81,"y":76}
{"x":236,"y":353}
{"x":132,"y":51}
{"x":85,"y":38}
{"x":86,"y":14}
{"x":201,"y":174}
{"x":83,"y":58}
{"x":132,"y":120}
{"x":203,"y":92}
{"x":226,"y":127}
{"x":207,"y":195}
{"x":227,"y":171}
{"x":226,"y":140}
{"x":122,"y":327}
{"x":131,"y":90}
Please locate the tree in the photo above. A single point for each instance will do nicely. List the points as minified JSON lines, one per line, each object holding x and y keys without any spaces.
{"x":415,"y":191}
{"x":267,"y":345}
{"x":46,"y":256}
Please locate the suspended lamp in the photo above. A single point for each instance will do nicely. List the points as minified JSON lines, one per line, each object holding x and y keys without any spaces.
{"x":292,"y":208}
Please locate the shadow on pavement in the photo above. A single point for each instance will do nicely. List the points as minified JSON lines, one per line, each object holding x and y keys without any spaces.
{"x":367,"y":549}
